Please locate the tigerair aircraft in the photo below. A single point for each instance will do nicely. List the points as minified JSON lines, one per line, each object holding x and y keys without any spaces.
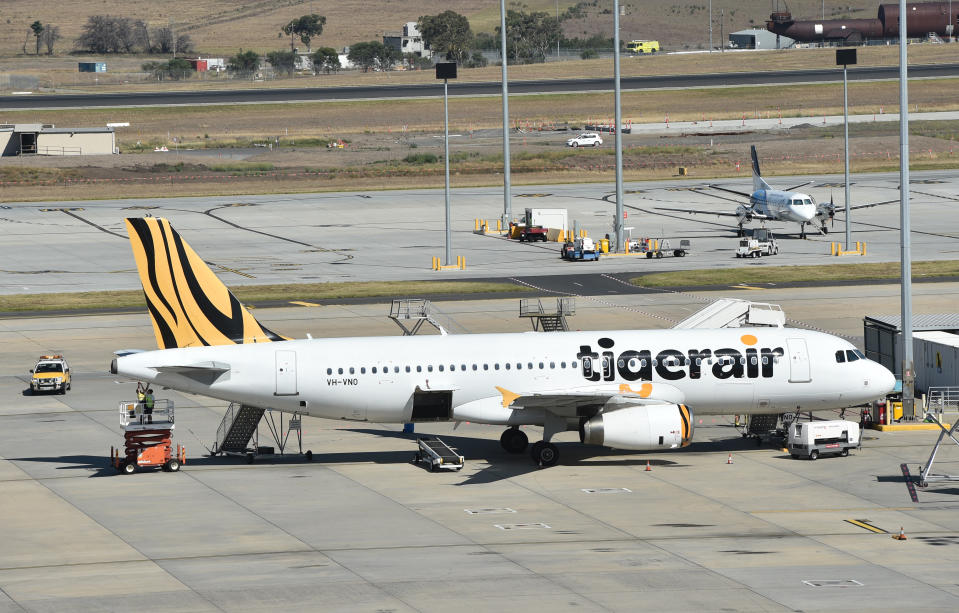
{"x":625,"y":389}
{"x":768,"y":204}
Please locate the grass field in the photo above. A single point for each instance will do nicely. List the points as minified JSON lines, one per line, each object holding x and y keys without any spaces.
{"x":793,"y":274}
{"x":252,"y":294}
{"x":224,"y":26}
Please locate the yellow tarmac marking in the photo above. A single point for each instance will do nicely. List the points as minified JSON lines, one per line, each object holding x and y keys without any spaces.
{"x":863,"y":524}
{"x":306,"y":304}
{"x":746,"y":287}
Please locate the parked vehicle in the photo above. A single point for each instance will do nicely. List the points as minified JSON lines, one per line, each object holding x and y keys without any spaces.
{"x":586,"y":139}
{"x":582,"y":249}
{"x":658,"y":248}
{"x":761,"y":243}
{"x":642,"y":46}
{"x":51,"y":374}
{"x":814,"y":438}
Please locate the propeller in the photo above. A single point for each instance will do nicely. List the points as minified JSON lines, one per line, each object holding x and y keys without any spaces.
{"x":832,"y":212}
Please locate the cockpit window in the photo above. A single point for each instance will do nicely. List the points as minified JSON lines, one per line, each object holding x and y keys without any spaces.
{"x":860,"y":354}
{"x":807,"y":201}
{"x":840,"y":356}
{"x":851,"y":355}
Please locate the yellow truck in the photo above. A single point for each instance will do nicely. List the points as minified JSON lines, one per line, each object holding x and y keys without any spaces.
{"x":642,"y":46}
{"x":51,"y":374}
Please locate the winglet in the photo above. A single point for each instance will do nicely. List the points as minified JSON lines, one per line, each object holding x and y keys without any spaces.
{"x":188,"y":304}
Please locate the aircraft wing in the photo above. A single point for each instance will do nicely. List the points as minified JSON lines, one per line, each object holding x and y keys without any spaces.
{"x":866,"y":206}
{"x":793,"y":188}
{"x":753,"y":215}
{"x":566,"y":402}
{"x":731,"y":191}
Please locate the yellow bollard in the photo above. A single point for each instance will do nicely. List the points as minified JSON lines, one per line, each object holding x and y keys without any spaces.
{"x":476,"y":226}
{"x":863,"y":252}
{"x":499,"y":225}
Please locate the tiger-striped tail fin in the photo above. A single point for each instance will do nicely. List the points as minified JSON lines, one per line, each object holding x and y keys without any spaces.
{"x":188,"y":304}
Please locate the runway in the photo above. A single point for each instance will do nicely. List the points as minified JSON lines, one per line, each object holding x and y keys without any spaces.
{"x":362,"y":529}
{"x":491,"y":88}
{"x":392,"y":235}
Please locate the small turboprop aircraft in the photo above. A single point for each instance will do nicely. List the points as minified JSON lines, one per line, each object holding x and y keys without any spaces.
{"x":766,"y":203}
{"x":626,"y":389}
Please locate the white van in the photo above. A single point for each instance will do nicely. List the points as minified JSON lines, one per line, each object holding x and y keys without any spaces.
{"x":814,"y":438}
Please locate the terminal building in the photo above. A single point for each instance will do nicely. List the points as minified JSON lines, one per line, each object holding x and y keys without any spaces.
{"x":47,"y":139}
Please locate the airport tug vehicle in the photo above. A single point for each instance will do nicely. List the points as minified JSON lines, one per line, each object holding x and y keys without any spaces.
{"x":148,"y":438}
{"x":51,"y":374}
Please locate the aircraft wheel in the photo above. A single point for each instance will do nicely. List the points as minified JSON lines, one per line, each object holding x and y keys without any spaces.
{"x":514,"y":440}
{"x":544,"y":454}
{"x":309,"y":455}
{"x":825,"y":230}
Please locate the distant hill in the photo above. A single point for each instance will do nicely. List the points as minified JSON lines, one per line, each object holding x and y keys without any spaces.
{"x":221,"y":27}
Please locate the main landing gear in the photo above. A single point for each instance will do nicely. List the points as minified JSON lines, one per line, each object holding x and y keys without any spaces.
{"x":543,"y":453}
{"x":802,"y":230}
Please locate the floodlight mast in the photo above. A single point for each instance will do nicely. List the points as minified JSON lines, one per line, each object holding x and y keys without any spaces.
{"x":905,"y":241}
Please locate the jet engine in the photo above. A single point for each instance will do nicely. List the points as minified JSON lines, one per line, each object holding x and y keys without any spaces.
{"x":743,"y":215}
{"x":642,"y":428}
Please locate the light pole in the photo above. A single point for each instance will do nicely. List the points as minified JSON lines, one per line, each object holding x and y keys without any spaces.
{"x":905,"y":240}
{"x":710,"y":26}
{"x":617,"y":123}
{"x":507,"y":203}
{"x":846,"y":57}
{"x":446,"y":71}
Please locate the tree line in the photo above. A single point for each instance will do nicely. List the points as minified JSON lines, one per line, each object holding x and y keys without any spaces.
{"x":530,"y":37}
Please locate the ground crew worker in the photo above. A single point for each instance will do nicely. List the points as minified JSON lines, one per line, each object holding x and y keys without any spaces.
{"x":141,"y":393}
{"x":148,"y":405}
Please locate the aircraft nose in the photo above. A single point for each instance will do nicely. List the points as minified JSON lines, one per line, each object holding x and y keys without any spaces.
{"x":885,"y":380}
{"x":804,"y":211}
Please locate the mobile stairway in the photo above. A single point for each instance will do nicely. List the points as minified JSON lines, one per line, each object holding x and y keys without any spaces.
{"x":238,"y":432}
{"x":735,"y":313}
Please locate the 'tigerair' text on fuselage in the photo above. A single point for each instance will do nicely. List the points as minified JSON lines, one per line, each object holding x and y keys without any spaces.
{"x":673,"y":364}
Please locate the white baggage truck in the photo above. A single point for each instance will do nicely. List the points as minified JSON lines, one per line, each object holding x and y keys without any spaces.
{"x":812,"y":439}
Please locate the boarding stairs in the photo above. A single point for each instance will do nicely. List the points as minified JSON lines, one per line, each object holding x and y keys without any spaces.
{"x":237,"y":428}
{"x":548,"y":321}
{"x":735,"y":313}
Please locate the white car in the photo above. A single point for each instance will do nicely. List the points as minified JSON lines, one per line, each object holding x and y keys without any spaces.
{"x":586,"y":139}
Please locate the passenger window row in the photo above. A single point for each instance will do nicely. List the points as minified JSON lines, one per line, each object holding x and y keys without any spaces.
{"x":452,"y":367}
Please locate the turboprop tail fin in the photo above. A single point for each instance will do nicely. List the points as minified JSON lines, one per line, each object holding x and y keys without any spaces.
{"x":758,"y":181}
{"x":188,"y":304}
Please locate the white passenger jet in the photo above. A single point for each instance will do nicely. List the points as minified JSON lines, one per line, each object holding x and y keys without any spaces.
{"x":626,"y":389}
{"x":768,"y":204}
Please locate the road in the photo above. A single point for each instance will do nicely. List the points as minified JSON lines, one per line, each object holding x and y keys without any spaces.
{"x":489,"y":88}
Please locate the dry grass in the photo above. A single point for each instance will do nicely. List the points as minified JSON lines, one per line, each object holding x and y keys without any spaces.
{"x":270,"y":294}
{"x":795,"y":274}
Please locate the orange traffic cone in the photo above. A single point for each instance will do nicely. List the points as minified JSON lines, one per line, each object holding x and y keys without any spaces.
{"x":648,"y":468}
{"x":729,"y":460}
{"x":901,"y":536}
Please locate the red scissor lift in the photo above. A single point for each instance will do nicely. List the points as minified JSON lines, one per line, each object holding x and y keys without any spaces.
{"x":147,"y":439}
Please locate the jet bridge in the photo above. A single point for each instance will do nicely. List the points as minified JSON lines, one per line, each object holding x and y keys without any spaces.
{"x":735,"y":313}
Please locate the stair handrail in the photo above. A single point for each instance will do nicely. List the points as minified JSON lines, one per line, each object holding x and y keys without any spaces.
{"x":224,"y":428}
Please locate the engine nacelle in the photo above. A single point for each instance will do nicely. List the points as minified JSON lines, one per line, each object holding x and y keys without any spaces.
{"x":641,"y":428}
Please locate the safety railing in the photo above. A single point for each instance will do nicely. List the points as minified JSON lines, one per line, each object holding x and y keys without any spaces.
{"x":135,"y":412}
{"x":940,"y":400}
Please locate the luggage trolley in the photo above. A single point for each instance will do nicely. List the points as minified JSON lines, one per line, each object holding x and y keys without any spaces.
{"x":438,"y":454}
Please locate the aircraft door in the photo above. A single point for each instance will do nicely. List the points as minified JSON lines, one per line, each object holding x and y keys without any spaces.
{"x":798,"y":361}
{"x":285,"y":373}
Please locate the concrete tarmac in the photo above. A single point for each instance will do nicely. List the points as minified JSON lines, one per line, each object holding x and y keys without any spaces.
{"x":361,"y":529}
{"x":393,"y":235}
